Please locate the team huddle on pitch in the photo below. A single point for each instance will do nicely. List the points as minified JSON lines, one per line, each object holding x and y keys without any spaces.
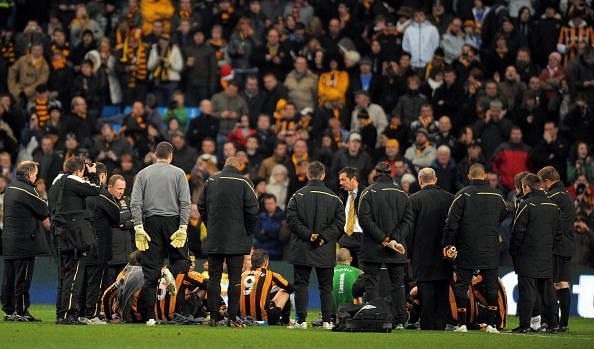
{"x":427,"y":261}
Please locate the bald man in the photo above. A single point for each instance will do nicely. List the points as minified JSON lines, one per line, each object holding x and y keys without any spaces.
{"x":229,"y":208}
{"x":472,"y":241}
{"x":347,"y":284}
{"x":427,"y":214}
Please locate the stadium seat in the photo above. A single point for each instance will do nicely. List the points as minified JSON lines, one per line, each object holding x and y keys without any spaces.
{"x":193,"y":113}
{"x":110,"y":110}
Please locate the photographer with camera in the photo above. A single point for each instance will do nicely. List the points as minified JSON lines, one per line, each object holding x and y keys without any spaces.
{"x":106,"y":213}
{"x":73,"y":233}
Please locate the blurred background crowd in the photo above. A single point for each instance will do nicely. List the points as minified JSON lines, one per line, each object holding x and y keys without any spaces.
{"x":277,"y":83}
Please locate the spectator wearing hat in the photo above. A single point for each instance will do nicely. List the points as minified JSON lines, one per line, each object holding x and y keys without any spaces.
{"x":165,"y":64}
{"x":365,"y":80}
{"x":352,"y":155}
{"x":421,"y":39}
{"x":375,"y":112}
{"x":302,"y":85}
{"x":422,"y":153}
{"x":201,"y":67}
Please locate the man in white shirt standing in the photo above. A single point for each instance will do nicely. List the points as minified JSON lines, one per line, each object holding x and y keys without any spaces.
{"x":421,"y":39}
{"x":350,"y":193}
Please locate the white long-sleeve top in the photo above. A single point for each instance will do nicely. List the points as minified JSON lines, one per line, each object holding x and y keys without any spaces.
{"x":176,"y":62}
{"x":420,"y":40}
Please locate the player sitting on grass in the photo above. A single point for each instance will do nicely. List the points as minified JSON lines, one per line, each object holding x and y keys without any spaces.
{"x":180,"y":295}
{"x":477,"y":311}
{"x":264,"y":294}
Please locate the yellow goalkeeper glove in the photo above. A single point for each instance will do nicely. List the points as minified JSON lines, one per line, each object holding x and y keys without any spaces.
{"x":141,"y":238}
{"x":178,"y":239}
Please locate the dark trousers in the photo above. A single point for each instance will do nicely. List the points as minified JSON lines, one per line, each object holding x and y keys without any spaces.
{"x":397,"y":289}
{"x":164,"y":90}
{"x":353,"y":244}
{"x":16,"y":282}
{"x":195,"y":94}
{"x":93,"y":275}
{"x":490,"y":280}
{"x":215,"y":273}
{"x":159,"y":229}
{"x":433,"y":296}
{"x":531,"y":292}
{"x":301,"y":274}
{"x":137,"y":93}
{"x":71,"y":276}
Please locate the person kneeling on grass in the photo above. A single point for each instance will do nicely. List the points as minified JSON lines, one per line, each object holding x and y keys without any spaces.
{"x":264,"y":294}
{"x":182,"y":295}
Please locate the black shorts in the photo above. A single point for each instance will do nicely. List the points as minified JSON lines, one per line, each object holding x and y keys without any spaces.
{"x":561,"y":268}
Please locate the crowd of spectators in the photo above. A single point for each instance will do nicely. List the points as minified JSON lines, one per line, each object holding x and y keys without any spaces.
{"x":277,"y":83}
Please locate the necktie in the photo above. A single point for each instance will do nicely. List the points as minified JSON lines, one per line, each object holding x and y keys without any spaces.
{"x":350,"y":224}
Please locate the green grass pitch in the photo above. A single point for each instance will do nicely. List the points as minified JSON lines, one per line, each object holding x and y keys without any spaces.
{"x":48,"y":335}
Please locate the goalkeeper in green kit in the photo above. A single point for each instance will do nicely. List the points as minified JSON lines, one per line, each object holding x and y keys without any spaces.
{"x":347,"y":284}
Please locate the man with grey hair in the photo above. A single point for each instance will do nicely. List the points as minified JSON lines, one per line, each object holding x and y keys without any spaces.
{"x":445,"y":168}
{"x":426,"y":216}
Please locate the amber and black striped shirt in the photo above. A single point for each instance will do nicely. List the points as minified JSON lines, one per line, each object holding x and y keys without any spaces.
{"x":166,"y":305}
{"x":256,"y":286}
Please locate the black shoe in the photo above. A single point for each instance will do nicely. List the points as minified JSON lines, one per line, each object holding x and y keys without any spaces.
{"x":521,"y":330}
{"x":317,"y":323}
{"x":212,"y":322}
{"x":237,"y":323}
{"x":10,"y":317}
{"x":30,"y":318}
{"x":552,"y":330}
{"x":563,"y":329}
{"x":70,"y":320}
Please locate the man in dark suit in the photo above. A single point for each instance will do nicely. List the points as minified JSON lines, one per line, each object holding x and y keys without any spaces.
{"x":427,"y":212}
{"x":229,"y":209}
{"x":316,"y":219}
{"x":21,"y":241}
{"x":471,"y":238}
{"x":536,"y":226}
{"x":348,"y":178}
{"x":382,"y":211}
